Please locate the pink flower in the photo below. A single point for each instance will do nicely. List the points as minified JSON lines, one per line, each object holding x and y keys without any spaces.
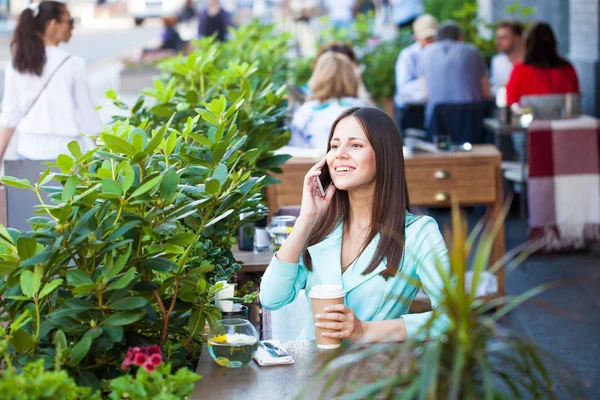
{"x":155,"y":360}
{"x":153,"y":349}
{"x":148,"y":367}
{"x":148,"y":357}
{"x":126,"y":364}
{"x":140,"y":359}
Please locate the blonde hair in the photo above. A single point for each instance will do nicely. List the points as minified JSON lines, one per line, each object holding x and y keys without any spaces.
{"x":334,"y":77}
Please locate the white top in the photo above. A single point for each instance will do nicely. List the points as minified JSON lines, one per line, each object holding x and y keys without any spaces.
{"x":408,"y":86}
{"x":501,"y":68}
{"x":64,"y":109}
{"x":340,"y":10}
{"x":312,"y":121}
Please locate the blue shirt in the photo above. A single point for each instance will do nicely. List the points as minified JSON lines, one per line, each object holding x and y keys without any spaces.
{"x":370,"y":296}
{"x":408,"y":86}
{"x":453,"y":72}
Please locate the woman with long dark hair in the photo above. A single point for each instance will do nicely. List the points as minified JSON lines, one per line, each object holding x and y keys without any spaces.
{"x":543,"y":71}
{"x":47,"y":100}
{"x":360,"y":235}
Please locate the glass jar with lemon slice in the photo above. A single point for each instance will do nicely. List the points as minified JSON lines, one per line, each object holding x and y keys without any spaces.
{"x":279,"y":229}
{"x":233,"y":342}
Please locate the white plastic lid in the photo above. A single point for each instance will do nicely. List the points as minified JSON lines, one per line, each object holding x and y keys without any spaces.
{"x":326,"y":292}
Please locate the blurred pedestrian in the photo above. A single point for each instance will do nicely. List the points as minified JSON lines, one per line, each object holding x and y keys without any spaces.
{"x":543,"y":70}
{"x":214,"y":20}
{"x":409,"y":89}
{"x":509,"y":44}
{"x":348,"y":51}
{"x":452,"y":71}
{"x":303,"y":32}
{"x":333,"y":89}
{"x":340,"y":12}
{"x":47,"y":101}
{"x":171,"y":42}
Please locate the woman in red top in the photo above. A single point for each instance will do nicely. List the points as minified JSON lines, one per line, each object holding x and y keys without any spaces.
{"x":542,"y":71}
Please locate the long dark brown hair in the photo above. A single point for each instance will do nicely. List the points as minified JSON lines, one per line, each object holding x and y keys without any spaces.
{"x":540,"y":47}
{"x":390,"y":201}
{"x":29,"y":53}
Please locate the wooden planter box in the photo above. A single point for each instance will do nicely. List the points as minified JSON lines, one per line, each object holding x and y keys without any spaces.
{"x":138,"y":78}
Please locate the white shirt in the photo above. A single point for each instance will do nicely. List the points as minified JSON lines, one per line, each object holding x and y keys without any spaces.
{"x":340,"y":10}
{"x":408,"y":86}
{"x":312,"y":122}
{"x":64,"y":109}
{"x":406,"y":10}
{"x":501,"y":68}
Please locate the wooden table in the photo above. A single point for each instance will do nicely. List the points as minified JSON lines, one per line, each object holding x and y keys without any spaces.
{"x":472,"y":178}
{"x":286,"y":381}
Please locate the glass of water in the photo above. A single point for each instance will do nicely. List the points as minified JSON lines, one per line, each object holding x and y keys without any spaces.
{"x":279,"y":229}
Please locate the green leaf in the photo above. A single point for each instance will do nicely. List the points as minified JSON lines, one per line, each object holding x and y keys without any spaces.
{"x":128,"y":303}
{"x":182,"y":239}
{"x":118,"y":145}
{"x":171,"y":143}
{"x":17,"y":183}
{"x":110,"y":186}
{"x":160,"y":264}
{"x":219,"y":152}
{"x":115,"y":333}
{"x":60,"y":340}
{"x":146,"y":187}
{"x":111,"y":95}
{"x":220,"y":217}
{"x":75,"y":149}
{"x":26,"y":247}
{"x":7,"y":267}
{"x":22,"y":341}
{"x":123,"y":281}
{"x":212,"y":186}
{"x":82,"y":348}
{"x":168,"y":185}
{"x":273,"y":161}
{"x":124,"y":318}
{"x":117,"y":265}
{"x":65,"y":162}
{"x":156,"y":139}
{"x":49,"y":287}
{"x":202,"y":269}
{"x":221,"y":173}
{"x":28,"y":284}
{"x":78,"y":277}
{"x":69,"y":188}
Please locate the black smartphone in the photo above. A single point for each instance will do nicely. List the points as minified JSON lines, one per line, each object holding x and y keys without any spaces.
{"x":324,"y":180}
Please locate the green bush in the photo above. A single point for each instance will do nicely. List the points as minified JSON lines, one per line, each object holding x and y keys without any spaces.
{"x":138,"y":232}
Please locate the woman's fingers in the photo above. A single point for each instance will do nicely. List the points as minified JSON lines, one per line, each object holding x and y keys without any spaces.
{"x":331,"y":316}
{"x":338,"y":326}
{"x":337,"y":308}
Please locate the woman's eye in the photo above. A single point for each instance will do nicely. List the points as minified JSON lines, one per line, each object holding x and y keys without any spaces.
{"x":356,"y":145}
{"x":334,"y":146}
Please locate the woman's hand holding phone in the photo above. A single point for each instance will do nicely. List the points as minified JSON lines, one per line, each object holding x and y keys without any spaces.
{"x":314,"y":204}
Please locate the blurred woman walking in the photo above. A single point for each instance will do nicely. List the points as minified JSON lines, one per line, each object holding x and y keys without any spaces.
{"x":47,"y":101}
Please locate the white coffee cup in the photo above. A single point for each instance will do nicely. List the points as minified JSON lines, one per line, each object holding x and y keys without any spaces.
{"x":323,"y":296}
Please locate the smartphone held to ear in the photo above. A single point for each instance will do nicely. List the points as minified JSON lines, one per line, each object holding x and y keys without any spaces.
{"x":324,"y":180}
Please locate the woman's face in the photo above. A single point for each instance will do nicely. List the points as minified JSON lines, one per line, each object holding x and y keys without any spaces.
{"x":60,"y":30}
{"x":351,"y":159}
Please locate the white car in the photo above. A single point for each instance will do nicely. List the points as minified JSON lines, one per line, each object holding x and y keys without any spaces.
{"x":143,"y":9}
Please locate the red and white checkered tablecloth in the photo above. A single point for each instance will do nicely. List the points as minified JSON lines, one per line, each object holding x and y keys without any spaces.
{"x":564,"y":183}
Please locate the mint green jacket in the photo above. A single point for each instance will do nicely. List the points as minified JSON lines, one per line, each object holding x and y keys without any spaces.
{"x":370,"y":296}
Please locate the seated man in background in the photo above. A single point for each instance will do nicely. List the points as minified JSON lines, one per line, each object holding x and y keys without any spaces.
{"x":509,"y":44}
{"x":452,"y":71}
{"x":408,"y":87}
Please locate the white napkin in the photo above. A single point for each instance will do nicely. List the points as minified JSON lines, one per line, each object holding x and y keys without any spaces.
{"x":265,"y":359}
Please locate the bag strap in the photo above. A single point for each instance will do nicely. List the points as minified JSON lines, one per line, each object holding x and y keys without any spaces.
{"x":45,"y":85}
